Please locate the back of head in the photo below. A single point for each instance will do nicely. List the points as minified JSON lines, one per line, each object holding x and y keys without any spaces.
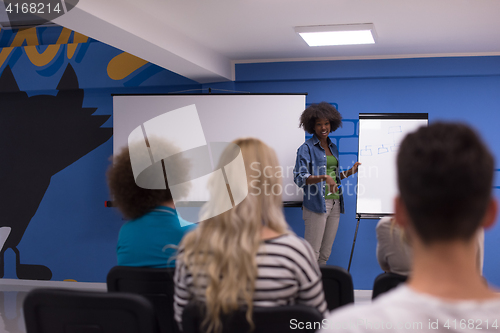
{"x":132,"y":201}
{"x":264,"y":181}
{"x":262,"y":205}
{"x":445,"y":175}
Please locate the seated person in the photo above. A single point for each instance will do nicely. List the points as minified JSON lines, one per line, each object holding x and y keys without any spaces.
{"x":246,"y":256}
{"x":154,"y":229}
{"x":393,"y":250}
{"x":441,"y":215}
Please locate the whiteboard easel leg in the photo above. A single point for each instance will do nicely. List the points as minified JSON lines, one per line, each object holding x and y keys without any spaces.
{"x":353,"y":243}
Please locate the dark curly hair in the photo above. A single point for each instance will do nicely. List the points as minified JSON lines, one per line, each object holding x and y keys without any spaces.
{"x":132,"y":200}
{"x":322,"y":110}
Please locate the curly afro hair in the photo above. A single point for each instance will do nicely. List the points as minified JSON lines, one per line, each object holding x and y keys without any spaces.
{"x":322,"y":110}
{"x":132,"y":200}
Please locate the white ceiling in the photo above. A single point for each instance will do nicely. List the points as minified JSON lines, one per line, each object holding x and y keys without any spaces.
{"x":202,"y":39}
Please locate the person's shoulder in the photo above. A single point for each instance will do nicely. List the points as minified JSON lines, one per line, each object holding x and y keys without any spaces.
{"x":405,"y":310}
{"x":331,"y":143}
{"x":131,"y":224}
{"x":488,"y":307}
{"x":347,"y":318}
{"x":310,"y":140}
{"x":305,"y":146}
{"x":384,"y":222}
{"x":140,"y":221}
{"x":186,"y":224}
{"x":388,"y":309}
{"x":189,"y":227}
{"x":289,"y":239}
{"x":291,"y":243}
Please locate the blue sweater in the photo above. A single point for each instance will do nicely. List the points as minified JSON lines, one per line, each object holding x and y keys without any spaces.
{"x":141,"y":242}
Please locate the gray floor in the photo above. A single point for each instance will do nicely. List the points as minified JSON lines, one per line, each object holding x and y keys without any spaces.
{"x":13,"y":292}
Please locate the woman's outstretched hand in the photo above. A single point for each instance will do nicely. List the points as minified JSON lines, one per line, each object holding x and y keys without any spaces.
{"x":354,"y":168}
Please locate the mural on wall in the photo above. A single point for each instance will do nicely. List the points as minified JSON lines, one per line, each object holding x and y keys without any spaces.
{"x":47,"y":133}
{"x":50,"y":48}
{"x":56,"y":89}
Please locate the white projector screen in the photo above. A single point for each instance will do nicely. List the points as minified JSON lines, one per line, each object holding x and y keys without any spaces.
{"x":379,"y":139}
{"x":272,"y":118}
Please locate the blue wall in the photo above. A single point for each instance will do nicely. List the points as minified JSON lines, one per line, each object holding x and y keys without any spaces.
{"x":463,"y":89}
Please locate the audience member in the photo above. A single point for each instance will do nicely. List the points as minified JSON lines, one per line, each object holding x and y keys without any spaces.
{"x":247,"y":256}
{"x":445,"y":176}
{"x":154,"y":228}
{"x":393,"y":250}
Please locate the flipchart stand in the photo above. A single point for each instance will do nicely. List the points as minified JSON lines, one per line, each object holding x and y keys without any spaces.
{"x":359,"y":217}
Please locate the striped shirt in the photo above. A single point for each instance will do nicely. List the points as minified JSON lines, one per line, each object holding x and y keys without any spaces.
{"x":287,"y":274}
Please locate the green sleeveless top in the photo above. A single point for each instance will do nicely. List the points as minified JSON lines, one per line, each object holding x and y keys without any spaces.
{"x":331,"y":169}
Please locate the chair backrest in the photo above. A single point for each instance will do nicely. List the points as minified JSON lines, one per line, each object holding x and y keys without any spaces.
{"x":266,"y":319}
{"x":156,"y":284}
{"x":73,"y":311}
{"x":385,"y":282}
{"x":337,"y":285}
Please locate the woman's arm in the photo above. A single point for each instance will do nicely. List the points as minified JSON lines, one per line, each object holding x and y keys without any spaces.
{"x":182,"y":294}
{"x":302,"y":175}
{"x":332,"y":185}
{"x":351,"y":171}
{"x":316,"y":179}
{"x":311,"y":291}
{"x":312,"y":294}
{"x":301,"y":171}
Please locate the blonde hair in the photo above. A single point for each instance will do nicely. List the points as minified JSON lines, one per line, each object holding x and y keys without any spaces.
{"x":221,"y":252}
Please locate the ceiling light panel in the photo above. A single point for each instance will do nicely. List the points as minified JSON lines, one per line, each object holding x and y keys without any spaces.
{"x":344,"y":34}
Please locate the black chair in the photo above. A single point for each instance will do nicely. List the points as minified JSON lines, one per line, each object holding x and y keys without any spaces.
{"x":72,"y":311}
{"x":338,"y":287}
{"x":385,"y":282}
{"x":266,"y":319}
{"x":156,"y":284}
